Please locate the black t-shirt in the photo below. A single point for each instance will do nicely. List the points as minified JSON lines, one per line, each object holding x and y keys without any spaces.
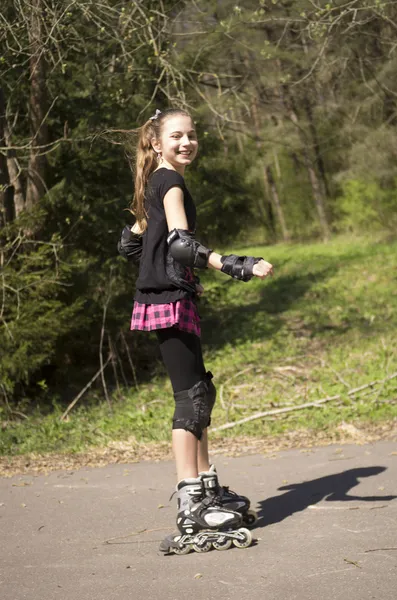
{"x":153,"y":285}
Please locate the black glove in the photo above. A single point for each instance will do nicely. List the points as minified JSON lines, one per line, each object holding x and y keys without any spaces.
{"x":130,"y":245}
{"x":239,"y":267}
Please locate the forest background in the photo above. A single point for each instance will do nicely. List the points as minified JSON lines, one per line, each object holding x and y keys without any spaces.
{"x":295,"y":104}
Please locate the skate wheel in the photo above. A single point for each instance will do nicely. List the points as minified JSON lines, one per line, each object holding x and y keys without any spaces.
{"x":204,"y":546}
{"x":183,"y":550}
{"x":222,"y":544}
{"x":245,"y":538}
{"x":250,"y":518}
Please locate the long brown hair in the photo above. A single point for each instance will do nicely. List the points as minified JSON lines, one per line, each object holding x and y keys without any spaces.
{"x":146,"y":161}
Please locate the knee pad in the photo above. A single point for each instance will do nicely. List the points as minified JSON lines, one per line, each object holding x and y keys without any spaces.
{"x":193,"y":407}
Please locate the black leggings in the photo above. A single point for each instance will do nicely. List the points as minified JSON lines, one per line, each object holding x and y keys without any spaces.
{"x":194,"y":392}
{"x":182,"y":356}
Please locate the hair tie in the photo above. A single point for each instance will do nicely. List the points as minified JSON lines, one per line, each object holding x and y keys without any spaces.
{"x":156,"y":115}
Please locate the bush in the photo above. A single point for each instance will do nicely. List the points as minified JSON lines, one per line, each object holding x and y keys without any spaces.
{"x":33,"y":312}
{"x":366,"y":206}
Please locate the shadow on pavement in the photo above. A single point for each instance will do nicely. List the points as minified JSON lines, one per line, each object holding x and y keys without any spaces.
{"x":301,"y":495}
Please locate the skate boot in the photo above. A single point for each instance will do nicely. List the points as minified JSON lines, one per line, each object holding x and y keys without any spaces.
{"x":227,"y":498}
{"x":203,"y":522}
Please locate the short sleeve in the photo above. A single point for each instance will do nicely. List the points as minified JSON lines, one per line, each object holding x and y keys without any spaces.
{"x":169,"y":180}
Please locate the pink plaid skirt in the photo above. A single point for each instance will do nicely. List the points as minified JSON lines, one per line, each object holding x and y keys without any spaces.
{"x":182,"y":314}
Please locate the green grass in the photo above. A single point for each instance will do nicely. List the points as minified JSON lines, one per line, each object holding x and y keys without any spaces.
{"x":324,"y":324}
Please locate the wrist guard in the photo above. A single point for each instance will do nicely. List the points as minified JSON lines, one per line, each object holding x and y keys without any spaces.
{"x":130,"y":245}
{"x":186,"y":250}
{"x":239,"y":267}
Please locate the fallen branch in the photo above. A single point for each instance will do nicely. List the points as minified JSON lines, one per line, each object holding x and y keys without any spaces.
{"x":242,"y":385}
{"x":239,"y":373}
{"x":363,"y":387}
{"x":335,"y":372}
{"x":279,"y":411}
{"x":89,"y":384}
{"x":276,"y":411}
{"x":222,"y":387}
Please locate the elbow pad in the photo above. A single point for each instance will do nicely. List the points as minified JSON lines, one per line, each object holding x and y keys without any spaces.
{"x":186,"y":250}
{"x":130,"y":245}
{"x":239,"y":267}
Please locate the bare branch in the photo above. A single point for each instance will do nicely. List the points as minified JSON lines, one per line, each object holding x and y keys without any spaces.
{"x":279,"y":411}
{"x":85,"y":388}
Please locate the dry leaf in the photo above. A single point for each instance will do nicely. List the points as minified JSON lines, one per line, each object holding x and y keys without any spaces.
{"x":352,"y":562}
{"x":129,"y":451}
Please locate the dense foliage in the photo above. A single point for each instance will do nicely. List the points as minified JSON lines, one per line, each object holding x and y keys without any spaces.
{"x":295,"y":106}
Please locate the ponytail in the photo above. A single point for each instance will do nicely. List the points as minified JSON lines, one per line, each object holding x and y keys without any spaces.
{"x":146,"y":162}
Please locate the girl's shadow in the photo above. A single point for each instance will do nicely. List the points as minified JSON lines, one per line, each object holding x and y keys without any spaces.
{"x":330,"y":488}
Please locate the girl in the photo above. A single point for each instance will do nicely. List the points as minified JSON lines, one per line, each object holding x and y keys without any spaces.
{"x":163,"y":242}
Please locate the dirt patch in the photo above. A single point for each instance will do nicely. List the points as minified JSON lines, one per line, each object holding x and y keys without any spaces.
{"x":130,"y":450}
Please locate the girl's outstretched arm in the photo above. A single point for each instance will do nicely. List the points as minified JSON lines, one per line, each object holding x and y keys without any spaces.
{"x":176,"y":220}
{"x":261,"y":269}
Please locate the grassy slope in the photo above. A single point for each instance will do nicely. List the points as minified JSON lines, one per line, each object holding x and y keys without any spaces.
{"x":325,"y":323}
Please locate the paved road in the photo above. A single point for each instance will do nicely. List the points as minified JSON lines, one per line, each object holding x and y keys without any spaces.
{"x":328,"y":530}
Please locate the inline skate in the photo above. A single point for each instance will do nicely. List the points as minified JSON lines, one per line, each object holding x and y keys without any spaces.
{"x":203,"y":523}
{"x":227,"y":498}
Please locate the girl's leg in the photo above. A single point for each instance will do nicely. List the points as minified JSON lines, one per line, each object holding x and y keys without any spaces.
{"x":182,"y":356}
{"x":191,"y":455}
{"x":203,"y":461}
{"x":184,"y":445}
{"x":198,"y":508}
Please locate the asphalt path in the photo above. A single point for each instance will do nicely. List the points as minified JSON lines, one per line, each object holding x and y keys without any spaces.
{"x":327,"y":531}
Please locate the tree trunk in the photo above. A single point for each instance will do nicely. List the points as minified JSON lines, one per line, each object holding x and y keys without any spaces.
{"x":271,"y":189}
{"x":316,"y":145}
{"x":264,"y":203}
{"x":4,"y":178}
{"x":238,"y":136}
{"x":277,"y":204}
{"x":318,"y":195}
{"x":266,"y":207}
{"x":37,"y":107}
{"x":12,"y":196}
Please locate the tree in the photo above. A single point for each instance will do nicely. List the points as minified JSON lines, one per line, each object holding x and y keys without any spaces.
{"x":295,"y":105}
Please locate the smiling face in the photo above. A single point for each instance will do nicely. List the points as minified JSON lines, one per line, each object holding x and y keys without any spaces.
{"x":178,"y":142}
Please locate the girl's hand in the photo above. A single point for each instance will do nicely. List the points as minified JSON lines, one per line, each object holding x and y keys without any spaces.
{"x":262,"y":269}
{"x":136,"y":229}
{"x":199,"y":289}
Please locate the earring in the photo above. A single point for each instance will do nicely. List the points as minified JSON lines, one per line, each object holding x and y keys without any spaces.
{"x":159,"y":157}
